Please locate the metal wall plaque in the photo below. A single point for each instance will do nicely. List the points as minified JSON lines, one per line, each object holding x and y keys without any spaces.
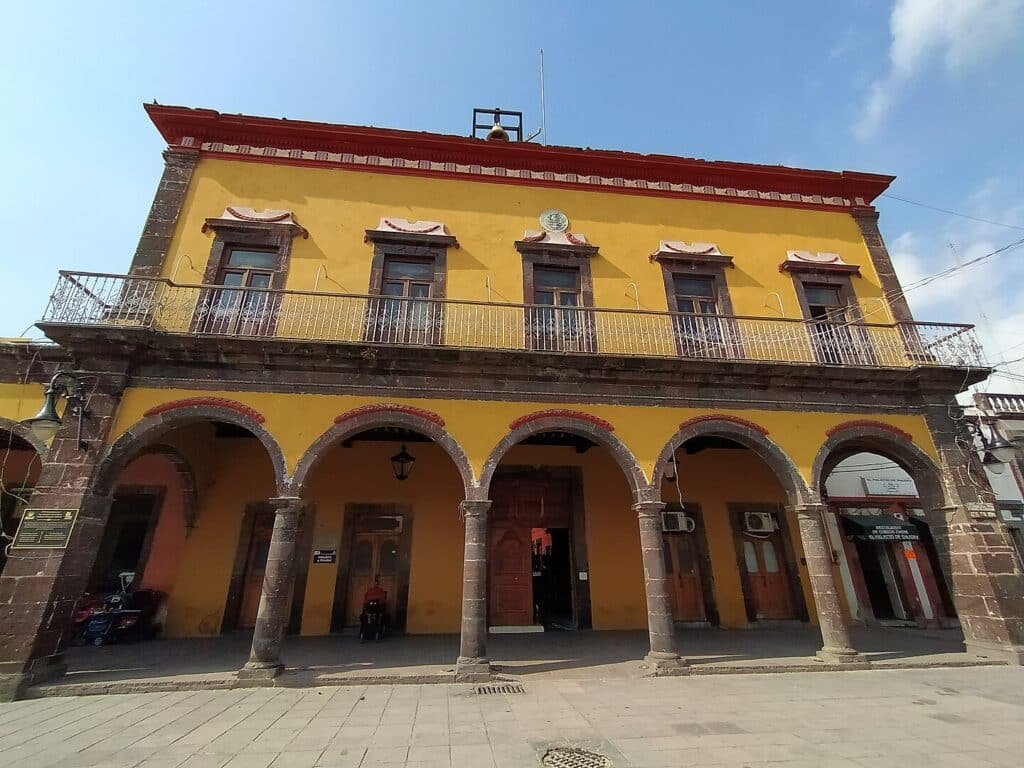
{"x":45,"y":529}
{"x":323,"y":556}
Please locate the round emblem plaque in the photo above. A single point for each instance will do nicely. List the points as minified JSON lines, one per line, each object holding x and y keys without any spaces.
{"x":554,"y":221}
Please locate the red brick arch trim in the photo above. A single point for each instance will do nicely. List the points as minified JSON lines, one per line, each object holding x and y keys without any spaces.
{"x":216,"y":402}
{"x":747,"y":433}
{"x":367,"y":417}
{"x":869,"y":424}
{"x":408,"y":410}
{"x":721,"y":417}
{"x":576,"y":423}
{"x":556,"y":413}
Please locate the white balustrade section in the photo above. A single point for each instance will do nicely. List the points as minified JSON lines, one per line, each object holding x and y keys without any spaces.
{"x":87,"y":298}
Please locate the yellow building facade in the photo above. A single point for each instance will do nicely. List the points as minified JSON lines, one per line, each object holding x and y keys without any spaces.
{"x":519,"y":388}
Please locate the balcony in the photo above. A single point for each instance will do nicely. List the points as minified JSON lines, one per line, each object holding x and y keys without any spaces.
{"x":156,"y":304}
{"x":1002,"y":406}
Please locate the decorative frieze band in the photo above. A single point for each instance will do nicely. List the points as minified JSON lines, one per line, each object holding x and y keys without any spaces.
{"x":486,"y":171}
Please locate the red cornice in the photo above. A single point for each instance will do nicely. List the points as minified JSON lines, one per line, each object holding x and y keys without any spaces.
{"x":176,"y":124}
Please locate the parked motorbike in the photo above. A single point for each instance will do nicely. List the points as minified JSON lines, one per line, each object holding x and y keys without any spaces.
{"x":372,"y":622}
{"x":125,"y":616}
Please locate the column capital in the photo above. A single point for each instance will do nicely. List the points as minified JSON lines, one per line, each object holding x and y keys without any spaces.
{"x":648,"y":508}
{"x":808,"y":508}
{"x":286,"y":504}
{"x":181,"y":155}
{"x":868,"y":214}
{"x":474,"y":507}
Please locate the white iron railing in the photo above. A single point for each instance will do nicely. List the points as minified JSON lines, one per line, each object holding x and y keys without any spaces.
{"x":89,"y":298}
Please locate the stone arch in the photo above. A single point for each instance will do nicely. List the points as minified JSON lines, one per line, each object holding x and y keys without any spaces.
{"x":185,"y":474}
{"x":574,"y":422}
{"x":747,"y":434}
{"x":849,"y":438}
{"x":162,"y":419}
{"x":21,"y":431}
{"x":358,"y":420}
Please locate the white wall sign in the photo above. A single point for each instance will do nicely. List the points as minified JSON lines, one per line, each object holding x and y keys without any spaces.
{"x":889,"y":486}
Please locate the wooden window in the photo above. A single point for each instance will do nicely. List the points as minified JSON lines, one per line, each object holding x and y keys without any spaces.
{"x":703,"y":327}
{"x":250,"y":259}
{"x":695,"y":295}
{"x":555,"y":321}
{"x":407,"y":315}
{"x":829,"y":306}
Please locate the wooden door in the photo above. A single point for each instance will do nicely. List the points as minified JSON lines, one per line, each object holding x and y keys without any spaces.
{"x":255,"y":567}
{"x":374,"y":556}
{"x":683,"y":579}
{"x":511,"y":578}
{"x":764,"y":559}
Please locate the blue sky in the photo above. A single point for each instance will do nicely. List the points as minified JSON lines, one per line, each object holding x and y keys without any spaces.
{"x":928,"y":90}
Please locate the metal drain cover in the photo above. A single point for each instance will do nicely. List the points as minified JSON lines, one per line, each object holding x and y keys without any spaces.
{"x":488,"y":690}
{"x":570,"y":757}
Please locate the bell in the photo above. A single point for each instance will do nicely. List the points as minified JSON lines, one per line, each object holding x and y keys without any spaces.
{"x":46,"y":423}
{"x":497,"y":133}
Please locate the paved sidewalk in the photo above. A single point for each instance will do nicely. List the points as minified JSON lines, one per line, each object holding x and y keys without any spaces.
{"x":337,"y":660}
{"x":874,"y":719}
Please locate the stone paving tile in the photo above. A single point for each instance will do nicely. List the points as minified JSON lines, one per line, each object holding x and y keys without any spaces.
{"x":963,"y":718}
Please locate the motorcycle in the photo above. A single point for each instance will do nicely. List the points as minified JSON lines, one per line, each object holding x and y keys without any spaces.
{"x":124,"y":616}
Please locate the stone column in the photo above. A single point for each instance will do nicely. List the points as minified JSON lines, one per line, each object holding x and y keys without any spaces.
{"x":662,"y":656}
{"x":272,"y":617}
{"x":472,"y":665}
{"x":974,"y":547}
{"x":835,"y":632}
{"x":179,"y":163}
{"x":40,"y":587}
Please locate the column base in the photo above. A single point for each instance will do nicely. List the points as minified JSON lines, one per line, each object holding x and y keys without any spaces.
{"x":660,"y":663}
{"x":1011,"y":653}
{"x":258,"y":672}
{"x":841,"y":656}
{"x":470,"y":670}
{"x":16,"y":677}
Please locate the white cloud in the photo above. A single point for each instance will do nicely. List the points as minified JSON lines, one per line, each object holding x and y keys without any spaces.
{"x":988,"y":295}
{"x":962,"y":34}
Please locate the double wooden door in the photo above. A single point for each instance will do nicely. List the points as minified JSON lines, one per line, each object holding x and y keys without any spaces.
{"x":374,"y":557}
{"x":683,"y":577}
{"x":764,"y":558}
{"x":511,"y":577}
{"x":522,"y":502}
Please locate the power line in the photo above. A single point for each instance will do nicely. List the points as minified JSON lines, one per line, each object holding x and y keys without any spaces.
{"x":951,"y":213}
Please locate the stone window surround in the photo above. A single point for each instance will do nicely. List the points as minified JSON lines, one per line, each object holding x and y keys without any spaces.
{"x":696,"y":269}
{"x":833,"y":280}
{"x":557,"y":256}
{"x":432,"y":248}
{"x":229,"y":234}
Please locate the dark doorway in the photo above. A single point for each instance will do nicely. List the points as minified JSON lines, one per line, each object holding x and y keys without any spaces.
{"x":869,"y":554}
{"x":552,"y":578}
{"x":126,"y":541}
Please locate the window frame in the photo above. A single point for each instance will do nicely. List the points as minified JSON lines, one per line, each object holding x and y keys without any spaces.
{"x":230,"y":235}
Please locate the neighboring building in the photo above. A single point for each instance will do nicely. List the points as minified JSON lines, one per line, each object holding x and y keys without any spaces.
{"x":1000,"y":419}
{"x":565,"y":341}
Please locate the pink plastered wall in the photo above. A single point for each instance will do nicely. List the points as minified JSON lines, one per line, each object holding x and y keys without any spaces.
{"x":155,"y":470}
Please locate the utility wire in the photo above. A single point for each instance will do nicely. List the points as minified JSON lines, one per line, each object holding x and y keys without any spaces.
{"x":951,"y":213}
